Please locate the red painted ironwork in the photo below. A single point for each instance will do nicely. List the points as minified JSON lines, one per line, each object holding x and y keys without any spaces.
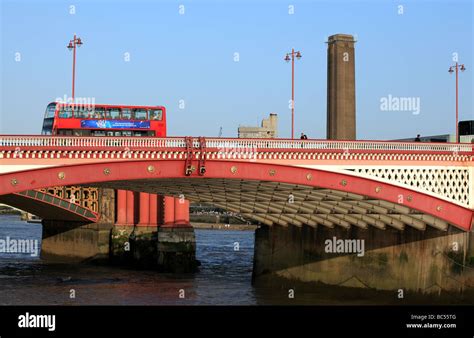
{"x":181,"y":211}
{"x":56,"y":206}
{"x":188,"y":169}
{"x":121,"y":207}
{"x":144,"y":207}
{"x":168,"y":211}
{"x":130,"y":219}
{"x":202,"y":156}
{"x":133,"y":170}
{"x":153,"y":210}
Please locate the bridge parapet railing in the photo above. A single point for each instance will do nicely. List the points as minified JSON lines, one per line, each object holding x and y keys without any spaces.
{"x":338,"y":145}
{"x":153,"y":143}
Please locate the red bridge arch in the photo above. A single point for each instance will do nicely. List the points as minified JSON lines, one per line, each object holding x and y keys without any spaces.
{"x":115,"y":173}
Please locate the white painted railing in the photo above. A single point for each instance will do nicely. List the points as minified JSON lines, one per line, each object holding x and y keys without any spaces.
{"x":152,"y":143}
{"x":337,"y":145}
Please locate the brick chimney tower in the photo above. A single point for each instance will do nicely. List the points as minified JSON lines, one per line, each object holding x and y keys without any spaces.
{"x":341,"y":109}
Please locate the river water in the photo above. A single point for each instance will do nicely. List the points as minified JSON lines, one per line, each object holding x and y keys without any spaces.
{"x":224,"y":278}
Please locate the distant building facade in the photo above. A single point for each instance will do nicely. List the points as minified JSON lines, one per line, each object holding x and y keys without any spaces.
{"x":268,"y":129}
{"x":441,"y":138}
{"x":430,"y":138}
{"x":466,"y":135}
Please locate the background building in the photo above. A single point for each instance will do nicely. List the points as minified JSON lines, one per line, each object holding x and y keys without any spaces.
{"x":466,"y":135}
{"x":268,"y":129}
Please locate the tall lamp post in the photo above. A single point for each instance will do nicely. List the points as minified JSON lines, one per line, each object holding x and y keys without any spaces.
{"x":457,"y":67}
{"x":291,"y":56}
{"x":72,"y":46}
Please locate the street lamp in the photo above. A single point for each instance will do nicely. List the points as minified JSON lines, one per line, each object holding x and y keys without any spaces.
{"x":462,"y":68}
{"x":291,"y":56}
{"x":72,"y":47}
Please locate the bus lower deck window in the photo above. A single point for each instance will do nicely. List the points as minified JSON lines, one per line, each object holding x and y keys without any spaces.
{"x":66,"y":132}
{"x":99,"y":133}
{"x":84,"y":132}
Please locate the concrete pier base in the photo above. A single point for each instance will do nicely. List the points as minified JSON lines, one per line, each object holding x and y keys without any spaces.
{"x":143,"y":245}
{"x":64,"y":241}
{"x":169,"y":249}
{"x":120,"y":246}
{"x":429,"y":261}
{"x":176,"y":249}
{"x":136,"y":229}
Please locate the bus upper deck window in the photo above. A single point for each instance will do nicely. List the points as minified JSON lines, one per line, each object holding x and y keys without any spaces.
{"x":99,"y":113}
{"x":81,"y":112}
{"x":65,"y":112}
{"x":140,"y":114}
{"x":50,"y":110}
{"x":113,"y":113}
{"x":126,"y":114}
{"x":156,"y":114}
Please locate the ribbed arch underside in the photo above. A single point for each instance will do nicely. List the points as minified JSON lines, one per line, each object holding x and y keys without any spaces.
{"x":275,"y":203}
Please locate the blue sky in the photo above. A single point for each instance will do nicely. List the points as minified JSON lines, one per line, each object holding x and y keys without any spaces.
{"x":190,"y":57}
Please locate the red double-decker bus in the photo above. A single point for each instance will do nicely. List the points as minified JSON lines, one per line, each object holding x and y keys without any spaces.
{"x":104,"y":120}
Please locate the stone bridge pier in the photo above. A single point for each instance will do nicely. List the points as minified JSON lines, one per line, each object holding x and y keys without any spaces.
{"x":137,"y":229}
{"x":430,"y":261}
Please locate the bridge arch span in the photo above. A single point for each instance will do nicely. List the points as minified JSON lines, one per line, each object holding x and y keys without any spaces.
{"x":319,"y":196}
{"x":48,"y":206}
